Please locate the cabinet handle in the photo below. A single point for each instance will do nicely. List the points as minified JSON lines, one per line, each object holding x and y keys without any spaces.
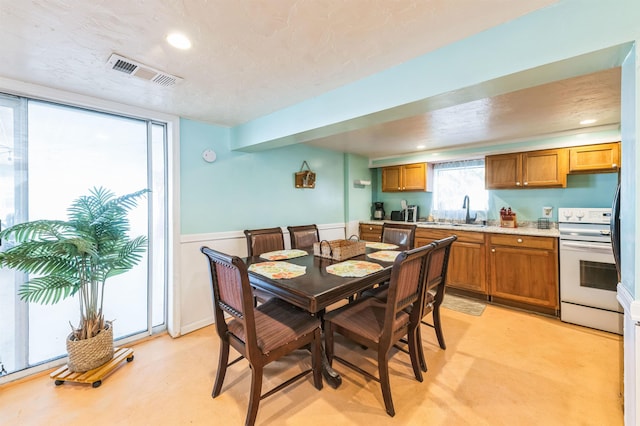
{"x":517,"y":183}
{"x":370,"y":229}
{"x":526,"y":183}
{"x":493,"y":250}
{"x":614,"y":166}
{"x":519,"y":240}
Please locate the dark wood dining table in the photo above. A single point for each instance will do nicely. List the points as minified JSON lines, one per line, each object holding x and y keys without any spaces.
{"x":317,"y":289}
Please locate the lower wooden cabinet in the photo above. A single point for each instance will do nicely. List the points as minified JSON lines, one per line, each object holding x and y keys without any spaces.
{"x":509,"y":269}
{"x":371,"y":233}
{"x":524,"y":269}
{"x":467,"y":260}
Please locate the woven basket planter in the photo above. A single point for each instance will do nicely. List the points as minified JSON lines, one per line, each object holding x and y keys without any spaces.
{"x":87,"y":354}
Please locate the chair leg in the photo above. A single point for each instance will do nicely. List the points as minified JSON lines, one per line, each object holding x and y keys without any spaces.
{"x":223,"y":360}
{"x":420,"y":349}
{"x":413,"y":353}
{"x":438,"y":326}
{"x":383,"y":371}
{"x":254,"y":398}
{"x":316,"y":359}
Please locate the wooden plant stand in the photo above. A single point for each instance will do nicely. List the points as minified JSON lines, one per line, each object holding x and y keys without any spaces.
{"x":96,"y":375}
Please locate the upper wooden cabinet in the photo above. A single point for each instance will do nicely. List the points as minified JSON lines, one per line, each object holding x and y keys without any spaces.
{"x":533,"y":169}
{"x":409,"y":177}
{"x":600,"y":158}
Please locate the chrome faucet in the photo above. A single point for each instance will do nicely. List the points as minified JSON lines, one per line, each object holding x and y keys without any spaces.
{"x":465,"y":205}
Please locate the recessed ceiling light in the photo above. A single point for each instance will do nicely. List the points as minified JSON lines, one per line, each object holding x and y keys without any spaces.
{"x":179,"y":41}
{"x":420,"y":147}
{"x":589,"y":121}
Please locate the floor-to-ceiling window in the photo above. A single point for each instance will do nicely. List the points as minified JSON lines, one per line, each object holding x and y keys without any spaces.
{"x":49,"y":155}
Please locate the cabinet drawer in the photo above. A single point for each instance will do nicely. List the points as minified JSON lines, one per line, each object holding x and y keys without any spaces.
{"x":429,"y":235}
{"x":547,"y":243}
{"x":370,"y":228}
{"x":371,"y":233}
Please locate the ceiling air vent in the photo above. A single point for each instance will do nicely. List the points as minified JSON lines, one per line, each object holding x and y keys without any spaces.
{"x":136,"y":69}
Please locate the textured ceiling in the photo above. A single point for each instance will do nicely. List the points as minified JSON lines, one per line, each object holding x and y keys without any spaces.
{"x":249,"y":57}
{"x":253,"y":57}
{"x":548,"y":110}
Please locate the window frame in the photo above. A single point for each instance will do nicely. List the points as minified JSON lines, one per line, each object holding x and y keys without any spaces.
{"x":45,"y":94}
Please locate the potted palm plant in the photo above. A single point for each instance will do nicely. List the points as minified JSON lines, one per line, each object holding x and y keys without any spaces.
{"x":76,"y":257}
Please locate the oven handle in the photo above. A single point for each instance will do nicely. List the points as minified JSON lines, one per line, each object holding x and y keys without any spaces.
{"x":578,"y":245}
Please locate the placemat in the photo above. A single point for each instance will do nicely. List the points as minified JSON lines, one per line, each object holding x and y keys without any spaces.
{"x":283,"y":254}
{"x":382,"y":246}
{"x":278,"y":270}
{"x":354,"y":268}
{"x":384,"y":255}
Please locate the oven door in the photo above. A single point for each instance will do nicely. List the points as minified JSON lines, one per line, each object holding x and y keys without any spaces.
{"x":588,"y":274}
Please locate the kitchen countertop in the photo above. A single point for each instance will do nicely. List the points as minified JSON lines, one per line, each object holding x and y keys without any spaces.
{"x":534,"y":231}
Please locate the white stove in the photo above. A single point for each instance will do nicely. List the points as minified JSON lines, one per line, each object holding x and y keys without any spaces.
{"x":588,"y":276}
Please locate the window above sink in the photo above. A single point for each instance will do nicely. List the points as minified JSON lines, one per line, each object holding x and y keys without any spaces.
{"x":454,"y":180}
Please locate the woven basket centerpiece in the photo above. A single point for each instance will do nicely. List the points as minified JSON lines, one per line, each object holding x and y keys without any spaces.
{"x":339,"y":249}
{"x":87,"y":354}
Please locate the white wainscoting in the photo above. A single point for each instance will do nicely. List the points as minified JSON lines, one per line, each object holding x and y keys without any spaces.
{"x":196,"y":308}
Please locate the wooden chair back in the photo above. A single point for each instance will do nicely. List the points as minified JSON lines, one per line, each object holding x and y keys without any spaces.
{"x":435,"y":285}
{"x":264,"y":240}
{"x":232,"y":296}
{"x":402,"y":235}
{"x":436,"y":275}
{"x":303,"y":237}
{"x":406,"y":286}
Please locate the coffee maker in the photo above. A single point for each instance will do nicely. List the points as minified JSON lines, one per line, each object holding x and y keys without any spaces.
{"x":378,"y":210}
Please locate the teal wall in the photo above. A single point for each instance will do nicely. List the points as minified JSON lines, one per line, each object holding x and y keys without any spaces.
{"x":358,"y":197}
{"x":630,"y":211}
{"x":254,"y":190}
{"x":591,"y":190}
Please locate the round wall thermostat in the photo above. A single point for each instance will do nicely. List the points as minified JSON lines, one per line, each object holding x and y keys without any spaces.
{"x":209,"y":155}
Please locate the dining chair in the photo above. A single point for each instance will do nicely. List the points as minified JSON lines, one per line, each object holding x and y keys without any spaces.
{"x":303,"y":237}
{"x":380,"y":325}
{"x":435,"y":286}
{"x":260,"y":334}
{"x":262,"y":241}
{"x":402,"y":235}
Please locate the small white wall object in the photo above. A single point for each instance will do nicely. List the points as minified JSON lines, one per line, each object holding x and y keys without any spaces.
{"x":209,"y":155}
